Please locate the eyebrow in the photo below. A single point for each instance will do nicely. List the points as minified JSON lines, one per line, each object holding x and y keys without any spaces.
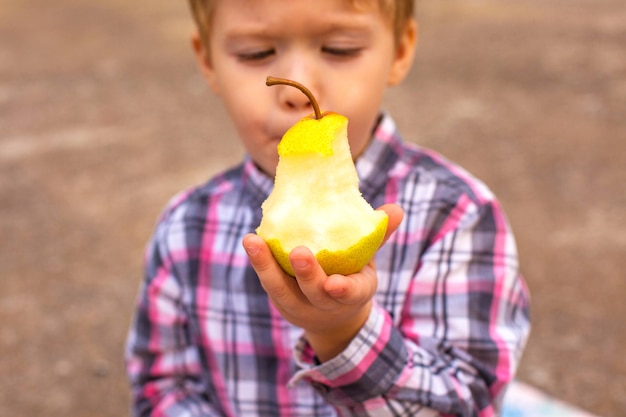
{"x":257,"y":31}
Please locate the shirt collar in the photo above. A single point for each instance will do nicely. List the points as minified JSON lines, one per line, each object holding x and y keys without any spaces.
{"x":379,"y":157}
{"x":257,"y":184}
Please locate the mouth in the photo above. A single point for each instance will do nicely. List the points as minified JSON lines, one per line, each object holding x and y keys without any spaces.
{"x":276,"y":132}
{"x":277,"y":137}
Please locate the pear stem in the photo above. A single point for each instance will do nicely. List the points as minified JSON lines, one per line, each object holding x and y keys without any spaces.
{"x":275,"y":80}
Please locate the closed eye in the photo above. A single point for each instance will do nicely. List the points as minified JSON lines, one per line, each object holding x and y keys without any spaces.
{"x":342,"y":52}
{"x":255,"y":55}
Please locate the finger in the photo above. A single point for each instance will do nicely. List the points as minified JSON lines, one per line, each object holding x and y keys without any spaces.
{"x":272,"y":277}
{"x":395,"y":215}
{"x":259,"y":254}
{"x":353,"y":289}
{"x":310,"y":276}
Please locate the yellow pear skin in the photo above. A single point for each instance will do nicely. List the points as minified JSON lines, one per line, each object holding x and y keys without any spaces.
{"x":316,"y":200}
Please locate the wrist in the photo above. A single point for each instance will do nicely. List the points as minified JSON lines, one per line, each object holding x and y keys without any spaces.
{"x":330,"y":341}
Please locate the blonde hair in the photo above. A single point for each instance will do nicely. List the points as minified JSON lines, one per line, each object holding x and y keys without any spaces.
{"x":399,"y":12}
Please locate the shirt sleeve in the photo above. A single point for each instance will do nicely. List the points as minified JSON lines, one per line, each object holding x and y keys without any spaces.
{"x":455,"y":346}
{"x":162,"y":365}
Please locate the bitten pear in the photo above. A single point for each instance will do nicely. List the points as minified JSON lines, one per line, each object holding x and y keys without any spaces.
{"x":316,"y":200}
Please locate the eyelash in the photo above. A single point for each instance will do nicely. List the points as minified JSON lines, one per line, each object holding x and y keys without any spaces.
{"x":256,"y":55}
{"x":336,"y":52}
{"x":342,"y":52}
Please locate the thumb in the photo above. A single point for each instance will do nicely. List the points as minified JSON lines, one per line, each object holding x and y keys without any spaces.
{"x":395,"y":215}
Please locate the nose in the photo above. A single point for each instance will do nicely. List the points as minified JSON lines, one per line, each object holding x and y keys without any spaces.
{"x":299,"y":66}
{"x":293,"y":100}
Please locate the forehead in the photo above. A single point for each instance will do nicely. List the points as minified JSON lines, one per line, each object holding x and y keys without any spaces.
{"x":266,"y":9}
{"x":274,"y":16}
{"x":211,"y":5}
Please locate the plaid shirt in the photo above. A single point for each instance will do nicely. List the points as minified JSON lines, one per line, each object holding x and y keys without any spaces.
{"x":449,"y":322}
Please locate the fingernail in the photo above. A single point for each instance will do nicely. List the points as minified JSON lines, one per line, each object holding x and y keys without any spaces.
{"x":300,"y":263}
{"x":251,"y":250}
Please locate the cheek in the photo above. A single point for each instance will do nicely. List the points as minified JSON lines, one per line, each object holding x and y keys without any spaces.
{"x":250,"y":122}
{"x":247,"y":127}
{"x":245,"y":111}
{"x":362,"y":119}
{"x":359,"y":134}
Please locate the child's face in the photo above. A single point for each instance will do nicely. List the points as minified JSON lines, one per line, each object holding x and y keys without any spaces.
{"x":345,"y":56}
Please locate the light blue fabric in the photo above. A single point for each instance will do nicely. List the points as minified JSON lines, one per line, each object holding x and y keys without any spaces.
{"x":525,"y":401}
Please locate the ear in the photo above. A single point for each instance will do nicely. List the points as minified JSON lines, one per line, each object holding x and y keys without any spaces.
{"x":405,"y":52}
{"x":204,"y":61}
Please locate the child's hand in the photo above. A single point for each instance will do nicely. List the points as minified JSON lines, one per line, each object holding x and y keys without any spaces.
{"x":330,"y":309}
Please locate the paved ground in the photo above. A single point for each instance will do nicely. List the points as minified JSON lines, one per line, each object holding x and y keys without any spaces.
{"x":103,"y":117}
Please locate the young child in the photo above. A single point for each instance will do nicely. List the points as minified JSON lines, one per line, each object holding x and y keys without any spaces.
{"x":434,"y":326}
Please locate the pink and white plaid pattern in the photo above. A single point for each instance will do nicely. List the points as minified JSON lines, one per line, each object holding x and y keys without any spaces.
{"x":450,"y":322}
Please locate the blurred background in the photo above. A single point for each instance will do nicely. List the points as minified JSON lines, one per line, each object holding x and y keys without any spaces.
{"x":103,"y":117}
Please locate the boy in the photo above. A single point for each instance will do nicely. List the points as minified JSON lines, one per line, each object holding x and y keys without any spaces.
{"x":435,"y":326}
